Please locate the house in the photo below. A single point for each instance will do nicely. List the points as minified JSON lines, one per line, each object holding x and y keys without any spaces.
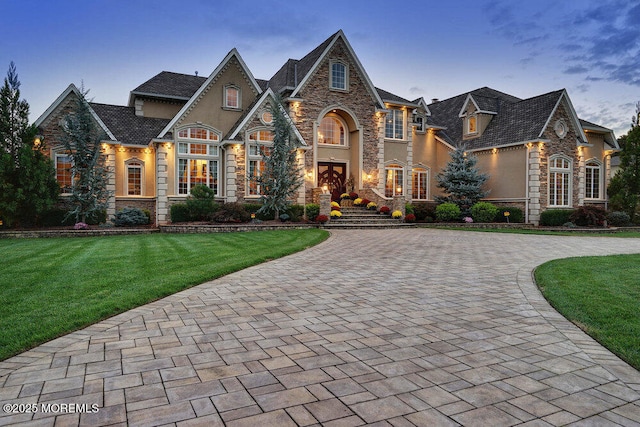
{"x":181,"y":130}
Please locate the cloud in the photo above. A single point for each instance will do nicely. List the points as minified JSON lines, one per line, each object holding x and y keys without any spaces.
{"x":576,"y":69}
{"x":416,"y":90}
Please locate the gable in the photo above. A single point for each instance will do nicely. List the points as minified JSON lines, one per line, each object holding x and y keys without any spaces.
{"x":207,"y":104}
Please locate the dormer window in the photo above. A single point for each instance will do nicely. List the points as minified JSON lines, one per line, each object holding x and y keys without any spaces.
{"x":232,"y":97}
{"x":339,"y":76}
{"x":419,"y":121}
{"x":472,"y":124}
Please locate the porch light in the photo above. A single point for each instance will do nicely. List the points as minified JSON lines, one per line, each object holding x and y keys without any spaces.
{"x":369,"y":177}
{"x":325,"y":188}
{"x":37,"y":141}
{"x":399,"y":189}
{"x":494,"y":151}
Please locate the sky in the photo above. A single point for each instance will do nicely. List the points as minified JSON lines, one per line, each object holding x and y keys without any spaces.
{"x":415,"y":48}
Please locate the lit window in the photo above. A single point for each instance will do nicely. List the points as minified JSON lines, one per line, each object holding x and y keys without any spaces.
{"x":419,"y":123}
{"x":559,"y":181}
{"x":231,"y":97}
{"x":394,"y":179}
{"x":420,"y":187}
{"x":592,"y":179}
{"x":198,"y":162}
{"x":255,"y":159}
{"x":64,"y":163}
{"x":338,"y":76}
{"x":331,"y":131}
{"x":472,"y":124}
{"x":134,"y":178}
{"x":394,"y":124}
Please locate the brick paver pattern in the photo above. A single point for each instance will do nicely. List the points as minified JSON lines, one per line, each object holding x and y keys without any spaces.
{"x":388,"y":328}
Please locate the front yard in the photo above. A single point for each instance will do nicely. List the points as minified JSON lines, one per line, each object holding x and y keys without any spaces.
{"x":50,"y":287}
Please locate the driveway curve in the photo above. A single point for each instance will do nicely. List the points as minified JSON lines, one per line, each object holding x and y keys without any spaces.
{"x":407,"y":327}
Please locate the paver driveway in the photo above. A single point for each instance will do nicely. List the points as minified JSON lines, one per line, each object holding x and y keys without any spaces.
{"x":391,"y":327}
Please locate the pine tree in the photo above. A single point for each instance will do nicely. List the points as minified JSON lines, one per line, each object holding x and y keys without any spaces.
{"x":461,"y":181}
{"x":83,"y":140}
{"x":28,"y":187}
{"x":280,"y":177}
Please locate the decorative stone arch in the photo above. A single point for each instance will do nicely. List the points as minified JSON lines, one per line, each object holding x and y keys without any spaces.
{"x":351,"y":153}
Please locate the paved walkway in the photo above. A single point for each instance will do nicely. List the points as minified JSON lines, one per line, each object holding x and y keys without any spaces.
{"x":389,"y":328}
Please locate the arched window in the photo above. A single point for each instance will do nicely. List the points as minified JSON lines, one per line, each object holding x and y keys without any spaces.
{"x":198,"y":158}
{"x":260,"y":143}
{"x":593,"y":179}
{"x":394,"y":180}
{"x":231,"y":97}
{"x":560,"y":172}
{"x":134,"y":176}
{"x":332,"y":131}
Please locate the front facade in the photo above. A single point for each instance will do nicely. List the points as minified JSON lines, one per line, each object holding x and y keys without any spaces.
{"x":179,"y":131}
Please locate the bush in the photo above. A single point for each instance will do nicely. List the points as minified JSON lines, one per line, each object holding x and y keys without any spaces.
{"x":200,"y":203}
{"x":130,"y":216}
{"x":97,"y":217}
{"x":322,"y":218}
{"x":385,"y":210}
{"x":56,"y":217}
{"x":555,"y":217}
{"x":253,"y":208}
{"x":408,"y":208}
{"x":589,"y":216}
{"x":424,"y":212}
{"x":448,"y":212}
{"x":410,"y":218}
{"x":515,"y":214}
{"x":179,"y":212}
{"x":231,"y":212}
{"x":313,"y":210}
{"x":284,"y":217}
{"x":483,"y":212}
{"x":296,"y":212}
{"x":619,"y":219}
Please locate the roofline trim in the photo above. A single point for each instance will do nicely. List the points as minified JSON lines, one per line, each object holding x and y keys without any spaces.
{"x":572,"y":113}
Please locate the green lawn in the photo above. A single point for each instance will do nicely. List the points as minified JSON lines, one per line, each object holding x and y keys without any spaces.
{"x":601,"y":295}
{"x":49,"y":287}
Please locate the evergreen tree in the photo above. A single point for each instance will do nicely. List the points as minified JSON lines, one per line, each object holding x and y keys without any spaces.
{"x":28,"y":187}
{"x":83,"y":140}
{"x":624,"y":188}
{"x":461,"y":181}
{"x":281,"y":176}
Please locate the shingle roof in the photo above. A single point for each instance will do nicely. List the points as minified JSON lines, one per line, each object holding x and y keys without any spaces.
{"x":171,"y":85}
{"x":390,"y":97}
{"x":126,"y":126}
{"x":518,"y":120}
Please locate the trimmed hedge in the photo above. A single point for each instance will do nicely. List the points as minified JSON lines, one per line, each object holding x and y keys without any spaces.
{"x":515,"y":214}
{"x":483,"y":212}
{"x":448,"y":212}
{"x":555,"y":217}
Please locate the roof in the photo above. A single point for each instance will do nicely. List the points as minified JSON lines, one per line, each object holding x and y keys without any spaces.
{"x":170,"y":85}
{"x":128,"y":128}
{"x":518,"y":120}
{"x":394,"y":99}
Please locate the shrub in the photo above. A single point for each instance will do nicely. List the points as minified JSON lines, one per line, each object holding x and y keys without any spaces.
{"x":385,"y":210}
{"x":313,"y":210}
{"x":424,"y":212}
{"x":322,"y":219}
{"x":555,"y":217}
{"x":410,"y":218}
{"x":252,"y":208}
{"x":179,"y":212}
{"x":448,"y":212}
{"x":130,"y":216}
{"x":619,"y":218}
{"x":231,"y":212}
{"x":284,"y":217}
{"x":515,"y":214}
{"x":295,"y":212}
{"x":200,"y":203}
{"x":408,"y":208}
{"x":56,"y":217}
{"x":344,"y":196}
{"x":483,"y":212}
{"x":589,"y":216}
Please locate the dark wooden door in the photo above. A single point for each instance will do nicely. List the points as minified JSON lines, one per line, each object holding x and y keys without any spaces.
{"x":335,"y":176}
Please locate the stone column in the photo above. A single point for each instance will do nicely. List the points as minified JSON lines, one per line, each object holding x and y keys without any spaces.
{"x":533,"y":175}
{"x":162,"y":184}
{"x":399,"y":204}
{"x":110,"y":164}
{"x":230,"y":175}
{"x":325,"y":205}
{"x":581,"y":176}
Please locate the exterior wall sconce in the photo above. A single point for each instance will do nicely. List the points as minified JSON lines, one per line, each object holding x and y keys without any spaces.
{"x":369,"y":177}
{"x":325,"y":189}
{"x":494,"y":151}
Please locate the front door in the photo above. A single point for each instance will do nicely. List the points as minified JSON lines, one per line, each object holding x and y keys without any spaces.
{"x":335,"y":176}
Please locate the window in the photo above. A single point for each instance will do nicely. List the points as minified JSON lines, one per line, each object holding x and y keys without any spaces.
{"x":231,"y":97}
{"x":472,"y":124}
{"x":338,"y":76}
{"x":559,"y":181}
{"x":420,"y":187}
{"x":198,"y":161}
{"x":419,"y":121}
{"x":261,"y":141}
{"x":592,"y":180}
{"x":134,"y":178}
{"x":63,"y":172}
{"x":394,"y":179}
{"x":331,"y":131}
{"x":394,"y":124}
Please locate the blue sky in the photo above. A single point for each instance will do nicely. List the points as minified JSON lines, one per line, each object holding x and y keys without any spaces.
{"x":428,"y":48}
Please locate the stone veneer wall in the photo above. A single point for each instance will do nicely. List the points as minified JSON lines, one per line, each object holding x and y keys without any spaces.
{"x":316,"y":97}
